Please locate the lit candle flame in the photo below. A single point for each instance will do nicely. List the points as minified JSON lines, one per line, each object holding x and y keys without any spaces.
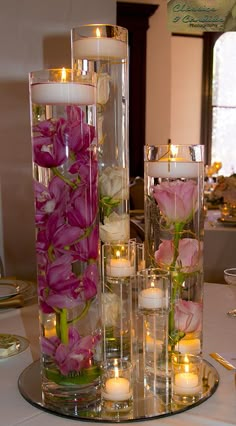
{"x":173,"y":151}
{"x":118,"y":254}
{"x":63,"y":74}
{"x":186,"y":366}
{"x":98,"y":33}
{"x":116,"y":370}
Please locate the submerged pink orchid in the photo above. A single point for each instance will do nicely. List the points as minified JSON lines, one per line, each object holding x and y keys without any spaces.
{"x":74,"y":356}
{"x":61,"y":288}
{"x":177,"y":200}
{"x":53,"y":138}
{"x":66,"y":206}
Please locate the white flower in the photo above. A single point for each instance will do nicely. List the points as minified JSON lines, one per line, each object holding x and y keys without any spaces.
{"x":114,"y":183}
{"x":103,"y":88}
{"x":115,"y":228}
{"x":111,"y":309}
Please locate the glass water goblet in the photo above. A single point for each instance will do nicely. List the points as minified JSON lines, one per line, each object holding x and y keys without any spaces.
{"x":230,"y":278}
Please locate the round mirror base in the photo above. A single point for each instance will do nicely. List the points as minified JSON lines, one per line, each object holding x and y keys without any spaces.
{"x":145,"y":406}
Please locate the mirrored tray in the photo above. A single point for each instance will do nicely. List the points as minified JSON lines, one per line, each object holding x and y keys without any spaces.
{"x":145,"y":407}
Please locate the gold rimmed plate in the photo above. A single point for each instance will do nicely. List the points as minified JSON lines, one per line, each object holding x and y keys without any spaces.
{"x":10,"y":288}
{"x":227,"y":221}
{"x":11,"y":344}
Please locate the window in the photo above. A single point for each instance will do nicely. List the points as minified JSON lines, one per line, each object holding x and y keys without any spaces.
{"x":223,"y":141}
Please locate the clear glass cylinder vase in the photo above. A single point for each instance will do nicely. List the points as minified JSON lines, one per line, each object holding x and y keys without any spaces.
{"x":174,"y":228}
{"x":65,"y":176}
{"x":104,"y":49}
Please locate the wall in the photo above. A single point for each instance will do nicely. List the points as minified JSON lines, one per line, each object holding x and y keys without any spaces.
{"x":158,"y":100}
{"x":34,"y":35}
{"x":186,"y":89}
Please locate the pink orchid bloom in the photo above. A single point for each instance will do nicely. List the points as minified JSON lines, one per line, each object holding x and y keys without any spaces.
{"x":86,"y":167}
{"x":87,"y":248}
{"x":49,"y":143}
{"x":189,"y":255}
{"x":83,"y":207}
{"x":48,"y":200}
{"x":177,"y":200}
{"x":73,"y":357}
{"x":90,"y":279}
{"x":57,"y":236}
{"x":52,"y":139}
{"x":58,"y":286}
{"x":79,"y":134}
{"x":188,"y":316}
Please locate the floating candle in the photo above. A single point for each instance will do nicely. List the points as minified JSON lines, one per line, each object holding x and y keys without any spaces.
{"x":190,"y":346}
{"x":186,"y":383}
{"x":117,"y":389}
{"x":120,"y":268}
{"x":173,"y":168}
{"x":151,"y":298}
{"x":99,"y":48}
{"x":63,"y":93}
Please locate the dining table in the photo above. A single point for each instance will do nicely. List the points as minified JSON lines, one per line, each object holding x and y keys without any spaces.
{"x":219,"y":336}
{"x":219,"y":246}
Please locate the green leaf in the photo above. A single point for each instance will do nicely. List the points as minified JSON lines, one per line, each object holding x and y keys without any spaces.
{"x":86,"y":376}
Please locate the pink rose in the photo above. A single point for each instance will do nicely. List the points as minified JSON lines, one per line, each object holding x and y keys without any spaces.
{"x":189,"y":255}
{"x":188,"y":316}
{"x":177,"y":200}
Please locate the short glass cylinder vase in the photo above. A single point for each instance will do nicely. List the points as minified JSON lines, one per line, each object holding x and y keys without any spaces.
{"x":187,"y":380}
{"x":174,"y":228}
{"x":65,"y":176}
{"x":117,"y":387}
{"x":104,"y":49}
{"x":118,"y":267}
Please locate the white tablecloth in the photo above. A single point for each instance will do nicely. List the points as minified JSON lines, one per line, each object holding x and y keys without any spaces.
{"x":219,"y":248}
{"x":219,"y":336}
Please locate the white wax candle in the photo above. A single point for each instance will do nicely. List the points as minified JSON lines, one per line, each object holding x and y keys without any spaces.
{"x":63,"y":93}
{"x":120,"y":268}
{"x":117,"y":389}
{"x":151,"y":298}
{"x":190,"y":346}
{"x":99,"y":48}
{"x":175,"y":168}
{"x":186,"y":384}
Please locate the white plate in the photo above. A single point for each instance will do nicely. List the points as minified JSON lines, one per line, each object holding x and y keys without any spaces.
{"x":19,"y":343}
{"x":8,"y":290}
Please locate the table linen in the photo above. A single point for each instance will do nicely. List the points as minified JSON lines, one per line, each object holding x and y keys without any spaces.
{"x":219,"y":335}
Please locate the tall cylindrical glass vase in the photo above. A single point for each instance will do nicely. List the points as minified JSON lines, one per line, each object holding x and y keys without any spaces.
{"x":174,"y":226}
{"x":104,"y":49}
{"x":65,"y":176}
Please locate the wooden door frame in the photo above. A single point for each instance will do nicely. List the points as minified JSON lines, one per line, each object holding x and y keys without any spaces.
{"x":135,"y":17}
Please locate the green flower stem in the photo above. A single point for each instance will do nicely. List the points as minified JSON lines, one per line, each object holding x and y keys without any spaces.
{"x":57,"y":173}
{"x":178,"y":229}
{"x":64,"y":327}
{"x":176,"y":284}
{"x":82,"y":314}
{"x":58,"y":330}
